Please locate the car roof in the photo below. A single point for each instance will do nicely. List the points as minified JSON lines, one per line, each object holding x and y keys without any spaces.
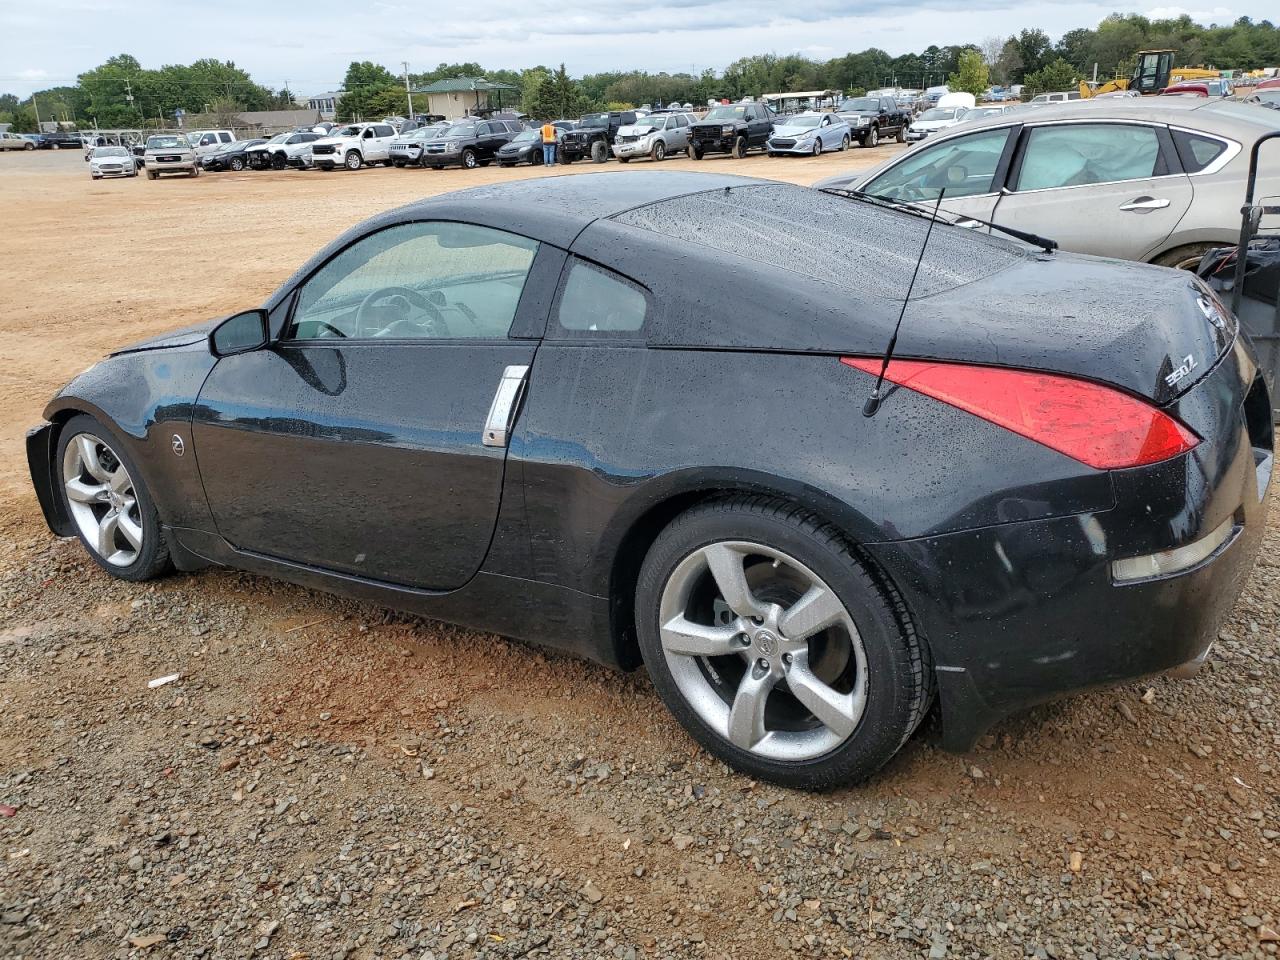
{"x":1212,"y":115}
{"x":556,"y":209}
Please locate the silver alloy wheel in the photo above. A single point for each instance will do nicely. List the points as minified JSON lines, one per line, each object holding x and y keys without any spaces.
{"x":763,"y":650}
{"x":103,"y":502}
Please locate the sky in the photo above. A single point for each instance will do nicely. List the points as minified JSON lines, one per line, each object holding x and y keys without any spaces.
{"x":309,"y":43}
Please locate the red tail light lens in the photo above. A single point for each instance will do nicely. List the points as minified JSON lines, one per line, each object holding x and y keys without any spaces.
{"x":1096,"y":425}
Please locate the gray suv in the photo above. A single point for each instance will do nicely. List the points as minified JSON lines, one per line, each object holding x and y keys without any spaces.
{"x":656,"y":136}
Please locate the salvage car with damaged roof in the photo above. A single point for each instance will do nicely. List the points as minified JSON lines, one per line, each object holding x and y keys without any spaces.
{"x":504,"y":408}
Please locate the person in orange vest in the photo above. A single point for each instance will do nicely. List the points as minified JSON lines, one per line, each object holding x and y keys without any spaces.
{"x":549,"y":137}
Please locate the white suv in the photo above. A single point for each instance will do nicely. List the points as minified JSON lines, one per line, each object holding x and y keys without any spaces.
{"x":207,"y":141}
{"x":353,"y":146}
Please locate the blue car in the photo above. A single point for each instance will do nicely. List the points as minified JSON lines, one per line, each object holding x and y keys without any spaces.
{"x":809,"y":133}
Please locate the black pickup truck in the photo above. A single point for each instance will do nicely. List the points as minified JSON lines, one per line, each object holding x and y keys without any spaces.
{"x":593,"y":136}
{"x":731,"y":128}
{"x":872,"y":119}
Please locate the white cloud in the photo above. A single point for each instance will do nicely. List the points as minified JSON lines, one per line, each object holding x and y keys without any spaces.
{"x":1216,"y":15}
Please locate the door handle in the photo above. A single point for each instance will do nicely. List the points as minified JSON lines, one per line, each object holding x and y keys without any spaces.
{"x":1145,"y":204}
{"x":502,"y":412}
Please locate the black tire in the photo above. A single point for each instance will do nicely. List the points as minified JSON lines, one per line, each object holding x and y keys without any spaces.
{"x":29,"y":146}
{"x":278,"y":162}
{"x":624,"y":159}
{"x":740,"y":147}
{"x":599,"y":152}
{"x":565,"y":159}
{"x":899,"y":672}
{"x":153,"y":558}
{"x":817,"y":146}
{"x":1186,"y":257}
{"x":873,"y":137}
{"x":659,"y":152}
{"x":152,"y":175}
{"x":353,"y":160}
{"x":195,"y":172}
{"x":236,"y":164}
{"x":902,"y":133}
{"x":469,"y":159}
{"x":695,"y":153}
{"x":844,"y":144}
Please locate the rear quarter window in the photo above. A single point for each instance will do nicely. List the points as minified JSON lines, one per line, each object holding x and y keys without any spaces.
{"x":598,"y":302}
{"x":1197,"y":151}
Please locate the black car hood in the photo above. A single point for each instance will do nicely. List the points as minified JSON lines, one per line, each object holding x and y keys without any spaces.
{"x":198,"y":333}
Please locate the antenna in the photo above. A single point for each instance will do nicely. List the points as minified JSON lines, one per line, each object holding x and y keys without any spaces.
{"x":873,"y":402}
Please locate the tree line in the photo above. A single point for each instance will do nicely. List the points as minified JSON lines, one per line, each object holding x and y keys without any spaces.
{"x":1029,"y":57}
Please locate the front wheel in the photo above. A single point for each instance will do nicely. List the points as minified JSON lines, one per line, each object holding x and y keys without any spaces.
{"x":775,"y":647}
{"x":103,"y":494}
{"x":236,"y":164}
{"x":469,"y":159}
{"x":817,"y":148}
{"x":152,"y":175}
{"x":659,"y":152}
{"x":694,"y":153}
{"x":740,"y":147}
{"x":279,"y":162}
{"x":195,"y":172}
{"x":873,"y":138}
{"x":902,"y":133}
{"x":844,"y":144}
{"x":599,"y":152}
{"x":353,"y":160}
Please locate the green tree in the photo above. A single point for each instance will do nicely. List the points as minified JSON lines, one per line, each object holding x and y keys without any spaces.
{"x":971,"y":75}
{"x":558,"y":96}
{"x":1033,"y":49}
{"x":367,"y":86}
{"x":1058,"y":75}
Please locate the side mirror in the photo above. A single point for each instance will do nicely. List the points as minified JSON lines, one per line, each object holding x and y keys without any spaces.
{"x":240,"y":333}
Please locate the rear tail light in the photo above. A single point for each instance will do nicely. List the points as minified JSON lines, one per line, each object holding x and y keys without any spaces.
{"x":1097,"y":425}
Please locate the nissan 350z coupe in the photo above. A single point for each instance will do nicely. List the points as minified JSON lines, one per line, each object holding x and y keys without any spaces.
{"x":623,"y":415}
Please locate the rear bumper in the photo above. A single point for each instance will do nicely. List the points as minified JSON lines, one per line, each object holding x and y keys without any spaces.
{"x":1020,"y":613}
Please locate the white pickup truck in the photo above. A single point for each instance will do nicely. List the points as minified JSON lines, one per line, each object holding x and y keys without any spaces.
{"x":353,"y":146}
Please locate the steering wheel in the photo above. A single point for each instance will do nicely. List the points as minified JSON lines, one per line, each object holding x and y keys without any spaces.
{"x":402,"y":298}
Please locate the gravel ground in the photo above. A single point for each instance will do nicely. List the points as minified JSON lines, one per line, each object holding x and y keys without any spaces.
{"x":327,"y":779}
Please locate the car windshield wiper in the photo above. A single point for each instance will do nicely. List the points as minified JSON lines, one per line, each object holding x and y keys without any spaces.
{"x":908,"y":206}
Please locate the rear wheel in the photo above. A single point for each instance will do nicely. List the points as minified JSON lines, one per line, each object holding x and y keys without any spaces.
{"x":103,"y":494}
{"x":775,"y":647}
{"x":1186,"y":257}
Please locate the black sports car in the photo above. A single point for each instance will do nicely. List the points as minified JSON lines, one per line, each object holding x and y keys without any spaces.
{"x":623,"y":415}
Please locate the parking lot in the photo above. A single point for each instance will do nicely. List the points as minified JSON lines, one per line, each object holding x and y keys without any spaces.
{"x":328,"y":779}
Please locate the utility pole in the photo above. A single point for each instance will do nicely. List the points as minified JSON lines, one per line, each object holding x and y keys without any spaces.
{"x":128,"y":93}
{"x":36,"y":107}
{"x":408,"y":93}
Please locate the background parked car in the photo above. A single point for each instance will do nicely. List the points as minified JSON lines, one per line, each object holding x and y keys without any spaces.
{"x":872,"y":119}
{"x":985,"y":110}
{"x":353,"y":146}
{"x":206,"y":142}
{"x":524,"y":147}
{"x":1158,"y":180}
{"x":13,"y":141}
{"x":657,"y":136}
{"x":232,"y":156}
{"x":112,"y":162}
{"x":170,"y":153}
{"x":292,"y":150}
{"x":593,"y":136}
{"x":809,"y":133}
{"x":732,"y":128}
{"x":406,"y":148}
{"x":470,"y":143}
{"x":934,"y":120}
{"x":61,"y":140}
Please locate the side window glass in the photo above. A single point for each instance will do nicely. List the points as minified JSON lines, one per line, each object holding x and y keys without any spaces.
{"x":965,"y":166}
{"x":417,"y":281}
{"x":224,"y":137}
{"x":1196,"y":151}
{"x":597,"y":301}
{"x":1066,"y":156}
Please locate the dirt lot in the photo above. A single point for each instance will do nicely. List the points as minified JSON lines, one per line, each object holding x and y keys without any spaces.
{"x":332,"y":780}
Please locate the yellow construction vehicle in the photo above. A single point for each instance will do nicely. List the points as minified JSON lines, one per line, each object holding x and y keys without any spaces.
{"x":1153,"y":73}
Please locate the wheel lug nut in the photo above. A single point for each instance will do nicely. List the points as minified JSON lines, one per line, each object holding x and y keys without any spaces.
{"x":786,"y":658}
{"x":762,"y":663}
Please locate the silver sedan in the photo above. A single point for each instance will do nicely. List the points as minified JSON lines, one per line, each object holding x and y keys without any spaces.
{"x":1159,"y":180}
{"x":112,"y":162}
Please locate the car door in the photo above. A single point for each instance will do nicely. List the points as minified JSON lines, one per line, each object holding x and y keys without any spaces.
{"x":677,"y":133}
{"x":364,"y":439}
{"x":1106,"y":188}
{"x":970,"y":168}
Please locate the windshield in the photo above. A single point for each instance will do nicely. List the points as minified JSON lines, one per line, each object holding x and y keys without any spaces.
{"x":726,"y":113}
{"x":861,"y":104}
{"x":937,"y":114}
{"x":524,"y":136}
{"x":280,"y":138}
{"x":595,"y":120}
{"x":805,"y":122}
{"x":351,"y":131}
{"x":166,"y":143}
{"x":110,"y":152}
{"x":460,"y":130}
